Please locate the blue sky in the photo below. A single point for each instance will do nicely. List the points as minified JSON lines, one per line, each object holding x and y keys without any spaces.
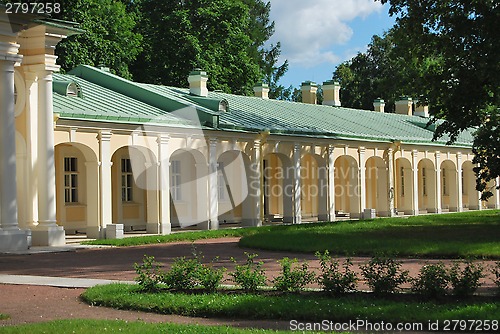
{"x":317,"y":35}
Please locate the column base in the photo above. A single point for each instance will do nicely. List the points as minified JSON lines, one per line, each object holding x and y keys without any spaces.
{"x":165,"y":228}
{"x":114,"y":231}
{"x":15,"y":240}
{"x":415,"y":212}
{"x":152,"y":228}
{"x":95,"y":232}
{"x":48,"y":236}
{"x":288,"y":220}
{"x":214,"y":224}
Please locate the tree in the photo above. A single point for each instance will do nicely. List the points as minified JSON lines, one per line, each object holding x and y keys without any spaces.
{"x":223,"y":37}
{"x":385,"y":71}
{"x":272,"y":73}
{"x":108,"y":40}
{"x":450,"y":49}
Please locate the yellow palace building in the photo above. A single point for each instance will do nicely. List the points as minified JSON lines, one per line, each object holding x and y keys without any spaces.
{"x":91,"y":153}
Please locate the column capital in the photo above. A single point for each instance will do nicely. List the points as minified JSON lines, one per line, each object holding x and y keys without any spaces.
{"x":361,"y":150}
{"x":213,"y":141}
{"x":257,"y":143}
{"x":330,"y":148}
{"x":104,"y":135}
{"x":9,"y":52}
{"x":297,"y":147}
{"x":163,"y":139}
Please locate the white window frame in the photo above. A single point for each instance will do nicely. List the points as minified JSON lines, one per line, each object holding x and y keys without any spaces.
{"x":175,"y":180}
{"x":127,"y":180}
{"x":70,"y":180}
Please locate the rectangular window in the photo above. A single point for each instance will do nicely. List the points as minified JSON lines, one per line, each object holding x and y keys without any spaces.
{"x":127,"y":181}
{"x":424,"y":183}
{"x":221,"y":182}
{"x":175,"y":180}
{"x":402,"y":182}
{"x":70,"y":180}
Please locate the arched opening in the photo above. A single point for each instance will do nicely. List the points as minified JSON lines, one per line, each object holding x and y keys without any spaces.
{"x":426,"y":186}
{"x":376,"y":186}
{"x":234,"y":180}
{"x":449,"y":186}
{"x":278,"y":188}
{"x":77,"y":199}
{"x":470,"y":196}
{"x":134,"y":188}
{"x":314,"y":178}
{"x":403,"y":192}
{"x":347,"y":190}
{"x":188,"y":188}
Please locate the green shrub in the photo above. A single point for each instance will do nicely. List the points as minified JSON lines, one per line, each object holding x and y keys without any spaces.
{"x":293,"y":279}
{"x":184,"y":274}
{"x":331,"y":279}
{"x":210,"y":278}
{"x":249,"y":275}
{"x":383,"y":274}
{"x":432,"y":281}
{"x":466,"y":281}
{"x":149,"y":274}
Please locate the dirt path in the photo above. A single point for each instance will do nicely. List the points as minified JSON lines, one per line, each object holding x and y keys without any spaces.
{"x":27,"y":304}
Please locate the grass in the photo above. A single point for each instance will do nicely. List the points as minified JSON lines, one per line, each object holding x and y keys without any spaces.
{"x":4,"y":316}
{"x":184,"y":236}
{"x":312,"y":307}
{"x":457,"y":235}
{"x":116,"y":326}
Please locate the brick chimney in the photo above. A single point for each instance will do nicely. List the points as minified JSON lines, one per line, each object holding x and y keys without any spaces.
{"x":378,"y":105}
{"x":198,"y":82}
{"x":261,"y":90}
{"x":331,"y":93}
{"x":404,"y":106}
{"x":309,"y":89}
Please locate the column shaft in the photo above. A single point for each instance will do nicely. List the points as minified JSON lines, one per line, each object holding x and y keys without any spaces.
{"x":105,"y":191}
{"x":390,"y":171}
{"x":164,"y":184}
{"x":459,"y":183}
{"x":438,"y":182}
{"x":362,"y":181}
{"x":297,"y":184}
{"x":331,"y":183}
{"x":212,"y":185}
{"x":414,"y":168}
{"x":256,"y":184}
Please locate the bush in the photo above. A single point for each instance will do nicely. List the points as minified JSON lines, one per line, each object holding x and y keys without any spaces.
{"x":293,"y":279}
{"x":466,"y":281}
{"x":149,"y":274}
{"x":249,"y":275}
{"x":331,"y":279}
{"x":183,"y":275}
{"x":383,"y":274}
{"x":210,"y":278}
{"x":496,"y":271}
{"x":432,"y":281}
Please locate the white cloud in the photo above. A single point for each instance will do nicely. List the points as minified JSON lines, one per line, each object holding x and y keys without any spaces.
{"x":309,"y":30}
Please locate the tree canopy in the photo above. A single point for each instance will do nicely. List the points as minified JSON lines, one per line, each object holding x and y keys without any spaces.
{"x":224,"y":37}
{"x":445,"y":53}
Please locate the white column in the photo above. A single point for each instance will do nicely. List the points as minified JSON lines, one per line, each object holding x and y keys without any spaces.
{"x":297,"y":186}
{"x":438,"y":182}
{"x":459,"y":182}
{"x":212,"y":185}
{"x":47,"y":233}
{"x":164,"y":184}
{"x":390,"y":171}
{"x":331,"y":183}
{"x":11,"y":237}
{"x":31,"y":147}
{"x":105,"y":191}
{"x":362,"y":181}
{"x":414,"y":169}
{"x":256,"y":184}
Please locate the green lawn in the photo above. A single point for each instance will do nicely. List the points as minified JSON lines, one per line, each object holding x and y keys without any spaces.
{"x":470,"y":234}
{"x":4,"y":316}
{"x":454,"y":235}
{"x":313,"y":306}
{"x":117,"y":326}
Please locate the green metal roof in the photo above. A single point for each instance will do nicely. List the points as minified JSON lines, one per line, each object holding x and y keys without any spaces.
{"x":114,"y":98}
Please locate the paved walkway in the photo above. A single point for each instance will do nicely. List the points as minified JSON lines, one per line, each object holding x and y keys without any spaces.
{"x":59,"y":282}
